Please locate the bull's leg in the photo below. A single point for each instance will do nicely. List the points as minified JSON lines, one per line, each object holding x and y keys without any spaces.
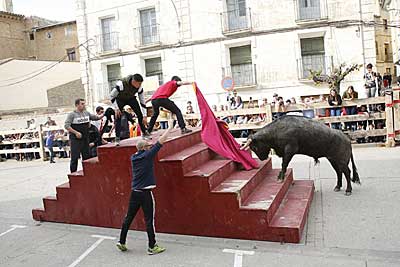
{"x":346,"y":171}
{"x":339,"y":175}
{"x":290,"y":151}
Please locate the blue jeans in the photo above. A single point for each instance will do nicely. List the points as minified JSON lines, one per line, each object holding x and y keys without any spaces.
{"x":351,"y":111}
{"x":334,"y":113}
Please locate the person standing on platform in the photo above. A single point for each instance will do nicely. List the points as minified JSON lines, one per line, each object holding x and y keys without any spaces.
{"x":124,"y":93}
{"x":77,"y":124}
{"x":161,"y":99}
{"x":143,"y":181}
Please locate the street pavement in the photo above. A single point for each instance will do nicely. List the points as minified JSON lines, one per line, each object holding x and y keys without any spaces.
{"x":360,"y":230}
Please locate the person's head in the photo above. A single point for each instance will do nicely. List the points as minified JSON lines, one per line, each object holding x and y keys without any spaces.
{"x":275,"y":96}
{"x":49,"y":118}
{"x":189,"y":103}
{"x":176,"y":79}
{"x":288,"y":101}
{"x":143,"y":145}
{"x":350,"y":89}
{"x":265,"y":100}
{"x":369,"y":67}
{"x":137,"y":80}
{"x":99,"y":110}
{"x":189,"y":109}
{"x":222,"y":107}
{"x":293,"y":100}
{"x":234,"y":93}
{"x":80,"y":104}
{"x":333,"y":92}
{"x":250,"y":99}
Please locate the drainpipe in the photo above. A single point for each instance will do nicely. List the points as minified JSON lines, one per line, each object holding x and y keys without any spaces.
{"x":362,"y":35}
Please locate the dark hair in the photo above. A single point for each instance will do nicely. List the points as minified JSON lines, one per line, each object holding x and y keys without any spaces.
{"x":137,"y":77}
{"x":369,"y":66}
{"x":78,"y":101}
{"x":189,"y":102}
{"x":176,"y":78}
{"x":350,"y":87}
{"x":99,"y":108}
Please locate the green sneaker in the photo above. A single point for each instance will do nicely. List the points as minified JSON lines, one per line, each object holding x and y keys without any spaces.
{"x":121,"y":247}
{"x":156,"y":250}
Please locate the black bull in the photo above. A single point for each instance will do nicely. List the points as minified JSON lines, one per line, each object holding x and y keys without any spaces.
{"x":291,"y":135}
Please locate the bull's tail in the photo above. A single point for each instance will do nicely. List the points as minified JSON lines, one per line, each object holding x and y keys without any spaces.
{"x":356,"y":178}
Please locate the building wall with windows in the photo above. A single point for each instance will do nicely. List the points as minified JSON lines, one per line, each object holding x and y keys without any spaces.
{"x":12,"y":35}
{"x":53,"y":42}
{"x":266,"y":46}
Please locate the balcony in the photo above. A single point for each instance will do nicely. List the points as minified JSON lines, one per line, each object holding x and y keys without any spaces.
{"x":147,"y":36}
{"x":311,"y":10}
{"x":243,"y":74}
{"x":236,"y":21}
{"x":108,"y":42}
{"x":314,"y":62}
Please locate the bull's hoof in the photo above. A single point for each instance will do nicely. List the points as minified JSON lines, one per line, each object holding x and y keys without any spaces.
{"x":336,"y":189}
{"x":347,"y":193}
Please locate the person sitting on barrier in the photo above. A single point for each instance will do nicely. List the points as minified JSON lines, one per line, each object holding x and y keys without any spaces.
{"x":49,"y":144}
{"x":161,"y":99}
{"x":334,"y":99}
{"x":349,"y":95}
{"x":143,"y":181}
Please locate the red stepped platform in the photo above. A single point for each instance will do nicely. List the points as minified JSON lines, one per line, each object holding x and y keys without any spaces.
{"x":198,"y":193}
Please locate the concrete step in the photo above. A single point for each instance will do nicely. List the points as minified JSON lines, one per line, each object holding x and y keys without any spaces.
{"x":291,"y":216}
{"x":269,"y":194}
{"x":243,"y":183}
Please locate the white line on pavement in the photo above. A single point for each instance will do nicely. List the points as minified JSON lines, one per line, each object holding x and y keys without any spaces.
{"x":238,"y":255}
{"x":101,"y":238}
{"x":13,"y":227}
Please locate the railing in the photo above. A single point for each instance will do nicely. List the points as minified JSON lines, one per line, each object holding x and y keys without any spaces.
{"x":242,"y":74}
{"x":311,"y":10}
{"x":315,"y":63}
{"x":108,"y":42}
{"x":236,"y":20}
{"x":147,"y":35}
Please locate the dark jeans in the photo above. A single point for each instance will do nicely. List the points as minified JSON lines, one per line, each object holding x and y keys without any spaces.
{"x":351,"y":111}
{"x":78,"y":147}
{"x":335,"y":112}
{"x":51,"y":152}
{"x":144,"y":200}
{"x":133,"y":103}
{"x":169,"y":105}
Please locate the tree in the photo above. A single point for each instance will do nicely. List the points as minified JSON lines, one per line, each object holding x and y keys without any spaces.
{"x":336,"y":77}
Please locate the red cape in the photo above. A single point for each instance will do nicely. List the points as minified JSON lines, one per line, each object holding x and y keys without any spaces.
{"x":216,"y":136}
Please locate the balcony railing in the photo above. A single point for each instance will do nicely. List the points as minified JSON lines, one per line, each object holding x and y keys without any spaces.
{"x":315,"y":63}
{"x":243,"y":74}
{"x":237,"y":20}
{"x":108,"y":42}
{"x":311,"y":10}
{"x":147,"y":35}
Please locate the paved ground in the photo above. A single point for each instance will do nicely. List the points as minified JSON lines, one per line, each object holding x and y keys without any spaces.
{"x":361,"y":230}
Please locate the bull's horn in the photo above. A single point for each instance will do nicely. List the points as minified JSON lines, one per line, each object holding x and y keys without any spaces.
{"x":246,"y":145}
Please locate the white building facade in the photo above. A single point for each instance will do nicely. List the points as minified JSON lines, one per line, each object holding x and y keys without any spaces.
{"x":265,"y":46}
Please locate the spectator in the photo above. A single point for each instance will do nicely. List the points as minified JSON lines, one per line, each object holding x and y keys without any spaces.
{"x":334,"y":99}
{"x":275,"y":98}
{"x":293,"y":101}
{"x":94,"y":140}
{"x":99,"y":124}
{"x":371,"y":81}
{"x":221,"y":108}
{"x":264,"y":103}
{"x":50,"y":122}
{"x":49,"y":144}
{"x":32,"y":125}
{"x":164,"y":118}
{"x":280,"y":108}
{"x":238,"y":104}
{"x":350,"y":95}
{"x":214,"y":108}
{"x":251,"y":103}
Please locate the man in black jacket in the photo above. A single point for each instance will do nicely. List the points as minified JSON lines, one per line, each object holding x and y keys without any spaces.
{"x":124,"y":93}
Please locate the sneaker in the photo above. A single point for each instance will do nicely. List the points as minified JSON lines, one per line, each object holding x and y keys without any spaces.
{"x":117,"y":141}
{"x":185,"y":131}
{"x":146,"y":135}
{"x":122,"y":247}
{"x":155,"y":250}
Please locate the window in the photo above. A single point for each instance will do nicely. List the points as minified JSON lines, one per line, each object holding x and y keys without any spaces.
{"x":388,"y":55}
{"x":236,"y":15}
{"x":154,"y":68}
{"x":309,"y":9}
{"x":49,"y":35}
{"x":113,"y":74}
{"x":109,"y":38}
{"x":312,"y":56}
{"x":71,"y":53}
{"x":31,"y":36}
{"x":69,"y":30}
{"x":241,"y":65}
{"x":148,"y":26}
{"x":376,"y":48}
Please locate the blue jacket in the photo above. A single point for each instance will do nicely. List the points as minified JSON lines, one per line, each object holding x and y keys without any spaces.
{"x":143,"y":167}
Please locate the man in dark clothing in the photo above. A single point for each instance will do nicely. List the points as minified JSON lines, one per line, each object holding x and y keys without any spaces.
{"x":124,"y":93}
{"x":160,"y":99}
{"x":49,"y":144}
{"x":143,"y":181}
{"x":77,"y":124}
{"x":95,"y":140}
